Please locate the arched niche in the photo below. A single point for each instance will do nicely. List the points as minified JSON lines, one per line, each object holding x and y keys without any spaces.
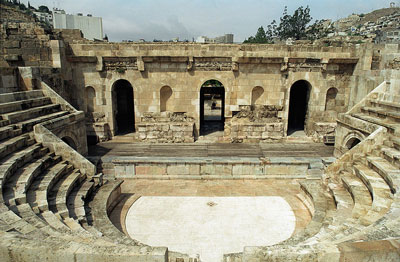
{"x":330,"y":103}
{"x":166,"y":99}
{"x":256,"y":94}
{"x":90,"y":98}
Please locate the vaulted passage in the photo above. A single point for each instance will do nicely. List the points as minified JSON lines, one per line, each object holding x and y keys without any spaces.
{"x":212,"y":104}
{"x":298,"y":104}
{"x":123,"y":107}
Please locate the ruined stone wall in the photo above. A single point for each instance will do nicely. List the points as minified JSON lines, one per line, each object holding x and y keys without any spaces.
{"x":185,"y":67}
{"x":23,"y":42}
{"x":166,"y":127}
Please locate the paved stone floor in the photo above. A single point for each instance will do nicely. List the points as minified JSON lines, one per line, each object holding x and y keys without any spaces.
{"x":276,"y":199}
{"x":209,"y":150}
{"x":210,"y":226}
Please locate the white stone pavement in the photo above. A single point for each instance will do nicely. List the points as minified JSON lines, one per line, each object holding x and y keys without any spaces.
{"x":210,"y":226}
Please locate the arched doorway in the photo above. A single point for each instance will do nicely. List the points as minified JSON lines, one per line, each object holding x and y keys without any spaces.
{"x":124,"y":113}
{"x":298,"y":105}
{"x":69,"y":141}
{"x":212,"y":107}
{"x":352,"y":142}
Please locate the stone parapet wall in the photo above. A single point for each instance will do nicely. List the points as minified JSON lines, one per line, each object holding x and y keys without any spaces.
{"x":50,"y":140}
{"x":213,"y":168}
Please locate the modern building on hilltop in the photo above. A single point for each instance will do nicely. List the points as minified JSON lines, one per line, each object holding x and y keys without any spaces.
{"x":225,"y":39}
{"x":91,"y":27}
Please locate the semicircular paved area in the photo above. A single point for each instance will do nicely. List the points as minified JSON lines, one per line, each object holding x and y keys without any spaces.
{"x":210,"y":226}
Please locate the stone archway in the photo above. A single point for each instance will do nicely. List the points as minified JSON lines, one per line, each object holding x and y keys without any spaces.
{"x":352,"y":142}
{"x":212,"y":107}
{"x":123,"y":107}
{"x":298,"y":105}
{"x":69,"y":141}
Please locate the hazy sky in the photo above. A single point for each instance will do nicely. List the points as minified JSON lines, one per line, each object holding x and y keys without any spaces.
{"x":167,"y":19}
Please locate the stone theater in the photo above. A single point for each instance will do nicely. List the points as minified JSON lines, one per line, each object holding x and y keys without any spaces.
{"x":90,"y":128}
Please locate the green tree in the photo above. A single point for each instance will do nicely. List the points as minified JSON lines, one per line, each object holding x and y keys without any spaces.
{"x":293,"y":26}
{"x":44,"y":9}
{"x":259,"y":38}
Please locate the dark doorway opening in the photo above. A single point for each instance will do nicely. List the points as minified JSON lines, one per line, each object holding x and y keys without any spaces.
{"x":212,"y":107}
{"x":69,"y":141}
{"x":298,"y":105}
{"x":92,"y":140}
{"x":123,"y":103}
{"x":352,"y":143}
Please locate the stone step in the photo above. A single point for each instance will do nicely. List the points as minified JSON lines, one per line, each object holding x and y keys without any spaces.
{"x":75,"y":226}
{"x":28,"y":124}
{"x":343,"y":200}
{"x":14,"y":144}
{"x":13,"y":162}
{"x":360,"y":194}
{"x":37,"y":193}
{"x":379,"y":190}
{"x":373,"y":181}
{"x":396,"y":142}
{"x":17,"y":185}
{"x":23,"y":95}
{"x":392,"y":155}
{"x":384,"y":104}
{"x":4,"y":122}
{"x":382,"y":113}
{"x":392,"y":126}
{"x":9,"y":131}
{"x":23,"y":115}
{"x":100,"y":217}
{"x":320,"y":205}
{"x":23,"y":104}
{"x":76,"y":199}
{"x":57,"y":197}
{"x":387,"y":171}
{"x":54,"y":221}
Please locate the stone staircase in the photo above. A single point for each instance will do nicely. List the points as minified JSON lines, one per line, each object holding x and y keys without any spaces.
{"x":355,"y":209}
{"x":49,"y":198}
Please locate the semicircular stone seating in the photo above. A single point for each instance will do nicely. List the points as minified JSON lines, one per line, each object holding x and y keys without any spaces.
{"x":363,"y":224}
{"x":355,"y":209}
{"x":43,"y":200}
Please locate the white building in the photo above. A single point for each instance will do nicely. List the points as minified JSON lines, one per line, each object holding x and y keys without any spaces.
{"x":91,"y":27}
{"x":44,"y":17}
{"x":225,"y":39}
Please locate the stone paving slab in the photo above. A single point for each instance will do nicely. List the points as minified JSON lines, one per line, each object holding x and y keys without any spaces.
{"x":210,"y":226}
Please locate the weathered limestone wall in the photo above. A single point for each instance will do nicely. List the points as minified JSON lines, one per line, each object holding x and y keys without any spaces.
{"x":216,"y":168}
{"x":377,"y":64}
{"x":8,"y":80}
{"x":185,"y":67}
{"x":166,"y":127}
{"x":23,"y":42}
{"x":255,"y":123}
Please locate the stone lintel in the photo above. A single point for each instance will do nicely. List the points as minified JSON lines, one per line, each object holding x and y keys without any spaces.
{"x":350,"y":60}
{"x":82,"y":59}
